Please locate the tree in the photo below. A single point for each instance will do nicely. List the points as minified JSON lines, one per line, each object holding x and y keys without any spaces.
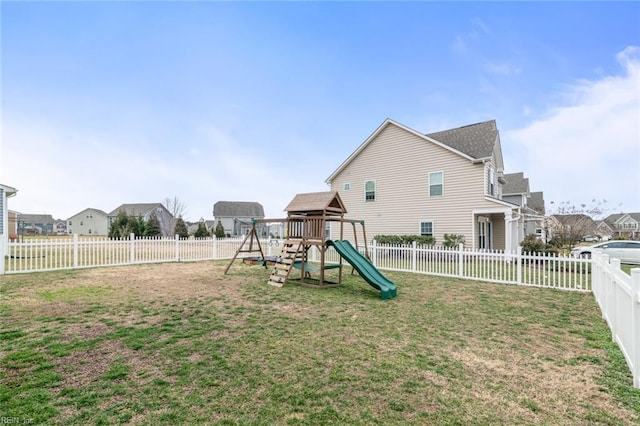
{"x":202,"y":231}
{"x":177,"y":210}
{"x":120,"y":227}
{"x":153,"y":227}
{"x":137,"y":225}
{"x":219,"y":230}
{"x":181,"y":228}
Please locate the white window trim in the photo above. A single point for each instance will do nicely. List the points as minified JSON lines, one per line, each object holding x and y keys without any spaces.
{"x":375,"y":191}
{"x":346,"y":186}
{"x":433,"y":226}
{"x":429,"y":183}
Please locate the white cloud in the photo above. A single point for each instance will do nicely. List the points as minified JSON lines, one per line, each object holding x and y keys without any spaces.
{"x":588,"y":148}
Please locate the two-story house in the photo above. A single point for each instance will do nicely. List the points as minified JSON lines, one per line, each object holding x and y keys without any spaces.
{"x":516,"y":190}
{"x":36,"y":224}
{"x":89,"y":221}
{"x":145,"y":210}
{"x":624,"y":225}
{"x":401,"y":181}
{"x":236,"y":217}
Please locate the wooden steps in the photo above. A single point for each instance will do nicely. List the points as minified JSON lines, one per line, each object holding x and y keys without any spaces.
{"x":292,"y":251}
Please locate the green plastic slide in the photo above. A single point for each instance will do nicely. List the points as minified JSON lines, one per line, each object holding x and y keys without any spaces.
{"x":365,"y":268}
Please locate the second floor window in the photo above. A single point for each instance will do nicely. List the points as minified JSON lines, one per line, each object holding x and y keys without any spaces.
{"x":436,"y":184}
{"x":491,"y":179}
{"x":347,"y":186}
{"x":369,"y":190}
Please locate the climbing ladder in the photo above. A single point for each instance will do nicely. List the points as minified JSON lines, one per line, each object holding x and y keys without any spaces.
{"x":292,"y":251}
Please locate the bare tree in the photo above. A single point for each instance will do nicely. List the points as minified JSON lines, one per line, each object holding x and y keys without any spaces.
{"x":177,"y":209}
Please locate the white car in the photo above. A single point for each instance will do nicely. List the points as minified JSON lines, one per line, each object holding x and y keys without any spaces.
{"x":626,"y":251}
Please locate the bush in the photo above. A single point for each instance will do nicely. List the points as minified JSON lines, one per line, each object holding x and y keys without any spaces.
{"x":453,"y":240}
{"x":405,"y":239}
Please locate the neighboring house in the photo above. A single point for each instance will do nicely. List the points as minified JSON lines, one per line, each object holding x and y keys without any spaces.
{"x":35,"y":224}
{"x":571,"y":226}
{"x":6,"y":192}
{"x":236,"y":217}
{"x":516,"y":190}
{"x":604,"y":231}
{"x":60,"y":227}
{"x":400,"y":181}
{"x":89,"y":221}
{"x":625,"y":225}
{"x":145,"y":210}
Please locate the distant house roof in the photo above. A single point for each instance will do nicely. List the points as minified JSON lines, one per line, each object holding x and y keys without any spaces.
{"x":515,"y":184}
{"x":317,"y":203}
{"x":536,"y":201}
{"x":612,"y":218}
{"x":89,"y":208}
{"x":475,"y":142}
{"x":238,"y":209}
{"x":136,"y":209}
{"x":36,"y":218}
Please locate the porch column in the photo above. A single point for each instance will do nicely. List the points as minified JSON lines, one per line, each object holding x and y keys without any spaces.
{"x":508,"y":232}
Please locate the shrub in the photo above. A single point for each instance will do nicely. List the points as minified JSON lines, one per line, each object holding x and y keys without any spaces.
{"x":405,"y":239}
{"x":453,"y":240}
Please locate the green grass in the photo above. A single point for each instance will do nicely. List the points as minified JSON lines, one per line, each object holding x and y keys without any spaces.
{"x":182,"y":343}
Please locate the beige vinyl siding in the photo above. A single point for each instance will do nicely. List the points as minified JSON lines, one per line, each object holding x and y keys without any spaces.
{"x":400,"y":162}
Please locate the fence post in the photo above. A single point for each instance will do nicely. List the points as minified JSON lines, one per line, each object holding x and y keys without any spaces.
{"x":177,"y":254}
{"x":519,"y":265}
{"x":414,"y":256}
{"x":374,"y":254}
{"x":132,"y":248}
{"x":215,"y":247}
{"x":75,"y":250}
{"x":614,"y":324}
{"x":461,"y":260}
{"x":635,"y":326}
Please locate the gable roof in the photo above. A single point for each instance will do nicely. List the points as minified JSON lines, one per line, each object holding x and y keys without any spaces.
{"x":536,"y":201}
{"x":238,"y":209}
{"x":87,"y":209}
{"x":475,"y":142}
{"x":515,"y":184}
{"x":317,"y":203}
{"x":137,"y":209}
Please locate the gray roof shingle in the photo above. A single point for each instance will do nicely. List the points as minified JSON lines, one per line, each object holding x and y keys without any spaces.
{"x":475,"y":140}
{"x":516,"y":184}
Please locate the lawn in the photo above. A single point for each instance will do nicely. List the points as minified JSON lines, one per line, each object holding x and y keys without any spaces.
{"x":183,"y":343}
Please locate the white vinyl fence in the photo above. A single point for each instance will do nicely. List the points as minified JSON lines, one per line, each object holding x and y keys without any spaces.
{"x":538,"y":270}
{"x":618,"y":295}
{"x":48,"y":254}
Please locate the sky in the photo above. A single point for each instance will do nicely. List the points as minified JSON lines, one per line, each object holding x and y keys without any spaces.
{"x":105,"y":103}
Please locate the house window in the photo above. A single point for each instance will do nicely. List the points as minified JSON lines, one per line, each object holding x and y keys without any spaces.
{"x":491,"y":178}
{"x":347,"y":186}
{"x":81,"y":223}
{"x":426,"y":228}
{"x":369,"y":190}
{"x":436,"y":184}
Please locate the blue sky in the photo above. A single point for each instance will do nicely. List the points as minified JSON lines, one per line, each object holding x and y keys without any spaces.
{"x":105,"y":103}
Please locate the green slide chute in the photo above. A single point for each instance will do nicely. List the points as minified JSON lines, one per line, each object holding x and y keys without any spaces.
{"x":365,"y":268}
